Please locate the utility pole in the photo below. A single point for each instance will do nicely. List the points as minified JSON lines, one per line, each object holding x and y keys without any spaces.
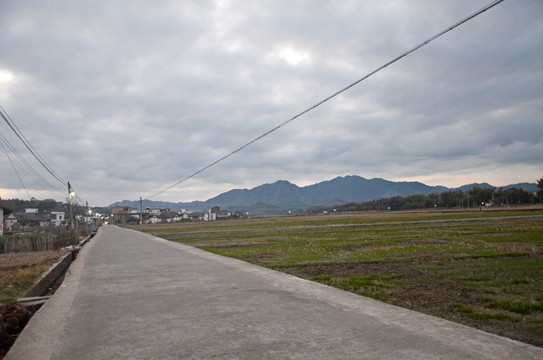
{"x":70,"y":204}
{"x":141,"y":214}
{"x":87,"y":216}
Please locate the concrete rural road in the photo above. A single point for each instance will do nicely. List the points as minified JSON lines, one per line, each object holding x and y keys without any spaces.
{"x":133,"y":296}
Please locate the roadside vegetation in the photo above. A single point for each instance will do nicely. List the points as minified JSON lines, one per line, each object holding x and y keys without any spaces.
{"x":25,"y":257}
{"x":473,"y":198}
{"x":18,"y":273}
{"x":485,"y":270}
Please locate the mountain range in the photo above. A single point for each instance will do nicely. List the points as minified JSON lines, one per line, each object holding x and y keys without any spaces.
{"x":282,"y":196}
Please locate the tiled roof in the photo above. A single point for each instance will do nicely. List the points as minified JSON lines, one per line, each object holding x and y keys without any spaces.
{"x":32,"y":217}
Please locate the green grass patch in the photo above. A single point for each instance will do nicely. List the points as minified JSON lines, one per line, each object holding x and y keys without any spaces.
{"x":14,"y":283}
{"x":461,"y":308}
{"x":326,"y":279}
{"x":515,"y":306}
{"x":470,"y":313}
{"x":372,"y":285}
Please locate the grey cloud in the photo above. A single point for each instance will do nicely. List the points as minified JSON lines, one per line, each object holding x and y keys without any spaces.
{"x":137,"y":96}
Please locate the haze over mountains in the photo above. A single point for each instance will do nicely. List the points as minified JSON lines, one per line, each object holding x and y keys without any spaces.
{"x":282,"y":195}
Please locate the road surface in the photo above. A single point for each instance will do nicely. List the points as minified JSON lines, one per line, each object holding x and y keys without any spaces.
{"x":129,"y":295}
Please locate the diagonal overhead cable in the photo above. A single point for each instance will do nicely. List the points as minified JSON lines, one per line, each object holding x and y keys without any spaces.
{"x":24,"y":162}
{"x":32,"y":150}
{"x":77,"y":197}
{"x":28,"y":145}
{"x":430,"y":39}
{"x":15,"y":169}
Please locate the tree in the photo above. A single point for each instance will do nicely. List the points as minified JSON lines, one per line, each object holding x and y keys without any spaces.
{"x":451,"y":199}
{"x":513,"y":196}
{"x":47,"y":205}
{"x":480,"y":196}
{"x":540,"y":192}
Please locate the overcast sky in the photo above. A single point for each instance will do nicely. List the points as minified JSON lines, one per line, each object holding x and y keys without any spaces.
{"x":125,"y":98}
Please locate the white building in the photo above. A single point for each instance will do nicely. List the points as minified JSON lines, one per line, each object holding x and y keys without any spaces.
{"x":57,"y":217}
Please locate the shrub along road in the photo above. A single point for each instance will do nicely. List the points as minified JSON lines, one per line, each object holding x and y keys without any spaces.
{"x":131,"y":295}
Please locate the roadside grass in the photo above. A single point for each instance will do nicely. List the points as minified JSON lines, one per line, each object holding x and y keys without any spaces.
{"x":486,"y":274}
{"x":19,"y":271}
{"x":14,"y":283}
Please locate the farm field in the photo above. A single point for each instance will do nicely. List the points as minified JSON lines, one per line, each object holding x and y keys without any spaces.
{"x":483,"y":269}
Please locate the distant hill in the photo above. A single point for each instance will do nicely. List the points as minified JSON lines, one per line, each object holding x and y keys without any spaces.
{"x":281,"y":196}
{"x":525,"y":186}
{"x":336,"y":191}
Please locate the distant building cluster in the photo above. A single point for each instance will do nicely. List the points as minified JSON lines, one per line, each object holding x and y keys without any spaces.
{"x":30,"y":219}
{"x":127,"y":214}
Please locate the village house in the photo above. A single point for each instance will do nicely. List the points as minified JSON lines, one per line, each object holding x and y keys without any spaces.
{"x":152,"y":211}
{"x":9,"y":222}
{"x":209,"y":216}
{"x":31,"y":217}
{"x":124,"y":214}
{"x":169,"y":217}
{"x":220,"y":214}
{"x":57,"y":217}
{"x":153,"y":220}
{"x":123,"y":209}
{"x":195,"y":216}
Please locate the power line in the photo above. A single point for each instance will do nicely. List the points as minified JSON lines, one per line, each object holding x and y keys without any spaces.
{"x":15,"y":169}
{"x":25,"y":163}
{"x":4,"y":140}
{"x":28,"y":145}
{"x":425,"y":42}
{"x":33,"y":151}
{"x":78,"y":198}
